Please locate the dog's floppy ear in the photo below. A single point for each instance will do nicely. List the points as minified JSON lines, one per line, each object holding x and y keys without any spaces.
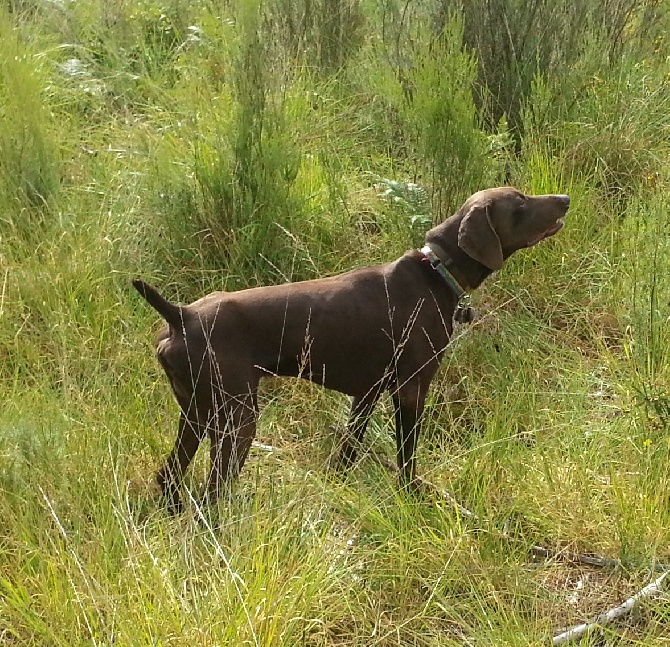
{"x":478,"y":239}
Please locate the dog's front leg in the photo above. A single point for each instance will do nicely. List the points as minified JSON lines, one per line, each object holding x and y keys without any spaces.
{"x":408,"y":401}
{"x":170,"y":476}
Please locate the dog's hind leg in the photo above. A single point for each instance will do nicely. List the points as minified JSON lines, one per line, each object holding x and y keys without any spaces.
{"x":231,"y":441}
{"x":361,"y":410}
{"x":170,"y":476}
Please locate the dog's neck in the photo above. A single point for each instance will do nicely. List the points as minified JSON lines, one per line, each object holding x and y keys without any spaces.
{"x":443,"y":240}
{"x":439,"y":260}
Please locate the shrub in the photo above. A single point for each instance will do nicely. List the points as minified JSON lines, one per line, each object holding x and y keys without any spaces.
{"x":519,"y":39}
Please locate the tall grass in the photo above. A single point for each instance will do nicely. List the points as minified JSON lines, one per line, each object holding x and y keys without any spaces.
{"x":29,"y":161}
{"x":227,"y":144}
{"x":520,"y":40}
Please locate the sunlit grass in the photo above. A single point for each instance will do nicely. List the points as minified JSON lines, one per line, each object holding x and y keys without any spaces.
{"x":132,"y":143}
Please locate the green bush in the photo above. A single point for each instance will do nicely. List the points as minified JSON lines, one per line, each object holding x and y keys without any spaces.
{"x":425,"y":80}
{"x":517,"y":40}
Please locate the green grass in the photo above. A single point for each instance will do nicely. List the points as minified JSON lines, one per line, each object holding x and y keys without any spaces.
{"x":211,"y":145}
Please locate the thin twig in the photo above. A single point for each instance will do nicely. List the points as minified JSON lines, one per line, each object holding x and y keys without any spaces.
{"x":264,"y":447}
{"x":595,"y":561}
{"x":578,"y":631}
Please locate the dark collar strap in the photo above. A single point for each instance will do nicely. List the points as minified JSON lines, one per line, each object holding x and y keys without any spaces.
{"x":439,"y":261}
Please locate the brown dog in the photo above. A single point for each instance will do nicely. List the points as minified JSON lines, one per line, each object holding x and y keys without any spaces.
{"x":370,"y":330}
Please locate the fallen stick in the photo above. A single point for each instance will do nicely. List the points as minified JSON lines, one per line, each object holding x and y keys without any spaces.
{"x":578,"y":631}
{"x":264,"y":447}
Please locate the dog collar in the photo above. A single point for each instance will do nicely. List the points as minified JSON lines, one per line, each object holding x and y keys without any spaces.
{"x":439,"y":266}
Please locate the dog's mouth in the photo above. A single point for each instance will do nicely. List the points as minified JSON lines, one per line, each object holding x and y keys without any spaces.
{"x":547,"y":233}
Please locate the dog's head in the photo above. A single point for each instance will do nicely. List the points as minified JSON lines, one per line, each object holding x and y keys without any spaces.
{"x":495,"y":223}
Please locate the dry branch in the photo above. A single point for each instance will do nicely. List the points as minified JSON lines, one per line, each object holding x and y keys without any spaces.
{"x":595,"y":561}
{"x":264,"y":447}
{"x":577,"y":632}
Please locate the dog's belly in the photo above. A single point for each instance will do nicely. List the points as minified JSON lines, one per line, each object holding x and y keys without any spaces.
{"x":349,"y":376}
{"x":354,"y":370}
{"x":347,"y":346}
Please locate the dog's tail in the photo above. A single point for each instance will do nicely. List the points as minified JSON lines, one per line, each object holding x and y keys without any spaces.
{"x":172,"y":313}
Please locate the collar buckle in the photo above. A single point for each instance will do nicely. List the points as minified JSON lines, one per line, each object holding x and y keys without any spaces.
{"x":464,"y":312}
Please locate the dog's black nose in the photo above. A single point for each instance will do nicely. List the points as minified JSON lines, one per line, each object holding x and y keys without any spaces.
{"x":565,"y":199}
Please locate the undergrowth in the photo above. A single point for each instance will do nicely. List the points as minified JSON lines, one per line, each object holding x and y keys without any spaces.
{"x":223,"y":145}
